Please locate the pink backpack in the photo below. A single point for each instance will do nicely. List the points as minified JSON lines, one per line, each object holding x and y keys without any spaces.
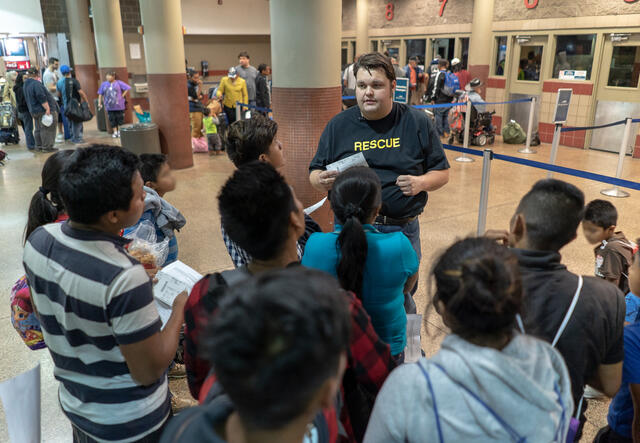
{"x":199,"y":144}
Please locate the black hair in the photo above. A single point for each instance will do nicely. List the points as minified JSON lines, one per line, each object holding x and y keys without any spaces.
{"x":244,"y":54}
{"x":281,"y":329}
{"x":206,"y":112}
{"x":255,"y":206}
{"x":97,"y":179}
{"x":46,"y":204}
{"x":19,"y":79}
{"x":33,"y":71}
{"x":112,"y":74}
{"x":53,"y":60}
{"x":601,"y":213}
{"x":372,"y":61}
{"x":262,"y":67}
{"x":552,"y":210}
{"x":355,"y":196}
{"x":442,"y":63}
{"x":479,"y":283}
{"x":413,"y":58}
{"x":246,"y":140}
{"x":150,"y":165}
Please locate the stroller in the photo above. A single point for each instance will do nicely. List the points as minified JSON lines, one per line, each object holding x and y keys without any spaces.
{"x":8,"y":124}
{"x":481,"y":131}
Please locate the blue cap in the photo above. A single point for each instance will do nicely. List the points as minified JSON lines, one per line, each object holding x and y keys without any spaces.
{"x":65,"y":69}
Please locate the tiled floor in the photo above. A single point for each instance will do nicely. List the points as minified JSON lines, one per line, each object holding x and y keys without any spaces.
{"x":451,"y":213}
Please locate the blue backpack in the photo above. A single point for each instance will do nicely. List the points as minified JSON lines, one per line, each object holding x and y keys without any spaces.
{"x":451,"y":84}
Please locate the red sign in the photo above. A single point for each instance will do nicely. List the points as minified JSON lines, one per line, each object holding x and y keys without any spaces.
{"x":444,"y":3}
{"x":21,"y":65}
{"x":530,"y":4}
{"x":388,"y":11}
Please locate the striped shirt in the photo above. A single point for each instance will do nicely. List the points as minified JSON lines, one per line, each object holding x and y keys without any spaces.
{"x":92,"y":297}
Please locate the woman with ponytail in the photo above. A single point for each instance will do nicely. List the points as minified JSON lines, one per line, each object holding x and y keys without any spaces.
{"x":487,"y":382}
{"x":45,"y":207}
{"x":379,"y":268}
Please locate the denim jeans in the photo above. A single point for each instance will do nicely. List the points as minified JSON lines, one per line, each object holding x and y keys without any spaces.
{"x":27,"y":126}
{"x":442,"y":120}
{"x":77,"y":132}
{"x":66,"y":123}
{"x":412,"y":231}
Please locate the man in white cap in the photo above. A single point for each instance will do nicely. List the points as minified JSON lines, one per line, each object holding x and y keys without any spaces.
{"x":473,"y":92}
{"x":459,"y":70}
{"x":234,"y":89}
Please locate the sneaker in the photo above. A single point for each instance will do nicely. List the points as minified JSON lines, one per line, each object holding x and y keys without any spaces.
{"x":592,"y":394}
{"x":114,"y":134}
{"x":52,"y":149}
{"x":81,"y":142}
{"x":60,"y":138}
{"x":118,"y":132}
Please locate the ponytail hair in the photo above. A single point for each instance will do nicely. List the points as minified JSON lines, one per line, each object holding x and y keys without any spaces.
{"x":46,"y":204}
{"x":355,"y":197}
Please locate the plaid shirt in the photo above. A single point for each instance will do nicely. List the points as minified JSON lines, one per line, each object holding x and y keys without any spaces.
{"x":368,"y":357}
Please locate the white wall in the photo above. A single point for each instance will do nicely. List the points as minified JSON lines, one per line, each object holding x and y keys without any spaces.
{"x":233,"y":17}
{"x":21,"y":16}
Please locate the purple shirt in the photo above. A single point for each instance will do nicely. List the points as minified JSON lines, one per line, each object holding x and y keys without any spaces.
{"x":112,"y":94}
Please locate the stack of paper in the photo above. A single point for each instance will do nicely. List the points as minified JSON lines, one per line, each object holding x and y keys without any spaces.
{"x":172,"y":280}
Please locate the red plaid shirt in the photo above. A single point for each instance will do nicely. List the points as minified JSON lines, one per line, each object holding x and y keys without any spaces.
{"x":368,"y":357}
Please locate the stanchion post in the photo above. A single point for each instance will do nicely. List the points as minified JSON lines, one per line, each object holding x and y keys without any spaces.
{"x":616,"y":191}
{"x":238,"y":111}
{"x":487,"y":156}
{"x":527,"y":148}
{"x":467,"y":125}
{"x":554,"y":147}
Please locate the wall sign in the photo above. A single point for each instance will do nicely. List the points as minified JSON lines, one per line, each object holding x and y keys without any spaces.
{"x":401,"y":93}
{"x":563,"y":99}
{"x":572,"y":75}
{"x":388,"y":11}
{"x":444,"y":3}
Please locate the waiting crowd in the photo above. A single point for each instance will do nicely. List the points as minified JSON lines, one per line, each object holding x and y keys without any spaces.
{"x":305,"y":339}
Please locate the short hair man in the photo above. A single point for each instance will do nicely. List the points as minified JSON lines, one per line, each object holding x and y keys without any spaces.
{"x":435,"y":89}
{"x":40,"y":103}
{"x":249,"y":74}
{"x":69,"y":88}
{"x":398,"y":142}
{"x":50,"y":78}
{"x":263,"y":95}
{"x":95,"y":303}
{"x":278,"y":344}
{"x":546,"y":220}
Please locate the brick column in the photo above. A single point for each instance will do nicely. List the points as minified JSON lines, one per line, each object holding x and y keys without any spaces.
{"x":480,"y":42}
{"x":164,"y":58}
{"x":107,"y":27}
{"x":82,"y":47}
{"x":305,"y":95}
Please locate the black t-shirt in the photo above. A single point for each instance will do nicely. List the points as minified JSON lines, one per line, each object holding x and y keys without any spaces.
{"x":594,"y":334}
{"x":74,"y":85}
{"x":402,"y":143}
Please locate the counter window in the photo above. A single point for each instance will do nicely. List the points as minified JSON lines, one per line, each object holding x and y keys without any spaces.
{"x":625,"y":67}
{"x":574,"y":53}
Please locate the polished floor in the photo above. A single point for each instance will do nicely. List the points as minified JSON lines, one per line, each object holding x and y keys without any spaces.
{"x":450,"y":214}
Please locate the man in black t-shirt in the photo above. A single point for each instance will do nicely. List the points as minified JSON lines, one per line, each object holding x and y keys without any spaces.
{"x":72,"y":89}
{"x":398,"y":142}
{"x":547,"y":219}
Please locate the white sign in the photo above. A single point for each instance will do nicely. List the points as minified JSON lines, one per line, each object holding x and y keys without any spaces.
{"x":134,"y":51}
{"x":573,"y":75}
{"x":21,"y":401}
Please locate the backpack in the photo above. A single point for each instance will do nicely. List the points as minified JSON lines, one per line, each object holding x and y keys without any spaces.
{"x":513,"y":133}
{"x":451,"y":84}
{"x":23,"y":317}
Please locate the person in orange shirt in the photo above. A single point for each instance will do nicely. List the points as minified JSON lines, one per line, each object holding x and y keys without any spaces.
{"x":415,"y":75}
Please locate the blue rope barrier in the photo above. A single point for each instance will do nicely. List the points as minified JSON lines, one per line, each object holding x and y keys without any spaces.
{"x":520,"y":100}
{"x":450,"y":105}
{"x":348,"y":97}
{"x":254,"y":107}
{"x":440,"y":105}
{"x":587,"y":128}
{"x":553,"y":168}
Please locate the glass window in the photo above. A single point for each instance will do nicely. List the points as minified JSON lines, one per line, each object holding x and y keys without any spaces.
{"x":530,"y":60}
{"x":374,"y":45}
{"x":575,"y":53}
{"x":343,"y":59}
{"x":416,"y":48}
{"x":443,"y":48}
{"x":501,"y":55}
{"x":625,"y":67}
{"x":464,"y":59}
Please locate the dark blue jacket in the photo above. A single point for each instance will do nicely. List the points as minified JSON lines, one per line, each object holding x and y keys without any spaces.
{"x":35,"y":93}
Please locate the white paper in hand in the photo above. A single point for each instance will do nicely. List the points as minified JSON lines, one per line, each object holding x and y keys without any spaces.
{"x":21,"y":401}
{"x":413,"y":351}
{"x":349,"y":162}
{"x":313,"y":208}
{"x":172,"y":280}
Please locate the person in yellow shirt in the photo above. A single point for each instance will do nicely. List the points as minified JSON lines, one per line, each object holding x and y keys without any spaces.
{"x":234,"y":89}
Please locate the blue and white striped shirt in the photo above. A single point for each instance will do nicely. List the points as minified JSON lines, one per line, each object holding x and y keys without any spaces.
{"x":92,"y":297}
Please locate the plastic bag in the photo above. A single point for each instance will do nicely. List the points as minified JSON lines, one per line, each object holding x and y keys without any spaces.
{"x":145,"y":248}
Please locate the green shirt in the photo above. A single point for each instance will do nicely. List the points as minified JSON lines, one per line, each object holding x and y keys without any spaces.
{"x":209,"y":125}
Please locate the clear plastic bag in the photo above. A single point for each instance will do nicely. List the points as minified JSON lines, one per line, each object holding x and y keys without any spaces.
{"x":145,"y":248}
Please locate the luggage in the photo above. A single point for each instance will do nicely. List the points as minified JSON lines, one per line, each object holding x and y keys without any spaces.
{"x":8,"y":117}
{"x":513,"y":133}
{"x":101,"y":116}
{"x":9,"y":136}
{"x":199,"y":144}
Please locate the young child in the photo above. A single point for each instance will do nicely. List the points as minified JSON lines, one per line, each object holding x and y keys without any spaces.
{"x":210,"y":122}
{"x":158,"y":180}
{"x":614,"y":252}
{"x":624,"y":413}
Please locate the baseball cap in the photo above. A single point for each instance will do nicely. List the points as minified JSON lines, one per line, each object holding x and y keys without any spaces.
{"x":455,"y":61}
{"x":232,"y":73}
{"x":65,"y":69}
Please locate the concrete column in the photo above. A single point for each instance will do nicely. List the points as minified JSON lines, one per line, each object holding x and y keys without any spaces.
{"x":164,"y":57}
{"x":82,"y":47}
{"x":305,"y":95}
{"x":480,"y":42}
{"x":107,"y":27}
{"x":362,"y":27}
